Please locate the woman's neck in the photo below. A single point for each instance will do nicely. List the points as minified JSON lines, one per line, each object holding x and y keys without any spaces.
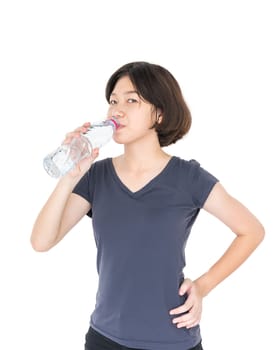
{"x":141,"y":157}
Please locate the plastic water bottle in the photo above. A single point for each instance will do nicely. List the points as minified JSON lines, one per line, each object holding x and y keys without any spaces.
{"x":66,"y":156}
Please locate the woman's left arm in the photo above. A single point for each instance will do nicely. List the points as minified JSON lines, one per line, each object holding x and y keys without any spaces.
{"x":249,"y":234}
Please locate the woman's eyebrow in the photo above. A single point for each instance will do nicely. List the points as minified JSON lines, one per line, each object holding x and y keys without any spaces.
{"x":126,"y":92}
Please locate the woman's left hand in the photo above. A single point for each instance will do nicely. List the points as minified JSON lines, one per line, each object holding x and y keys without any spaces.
{"x":192,"y":306}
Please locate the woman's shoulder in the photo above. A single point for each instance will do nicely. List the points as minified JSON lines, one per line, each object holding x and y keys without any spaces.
{"x":102,"y":162}
{"x":186,"y":164}
{"x":99,"y":166}
{"x":191,"y":167}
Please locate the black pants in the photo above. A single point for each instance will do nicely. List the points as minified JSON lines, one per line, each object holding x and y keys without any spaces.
{"x":96,"y":341}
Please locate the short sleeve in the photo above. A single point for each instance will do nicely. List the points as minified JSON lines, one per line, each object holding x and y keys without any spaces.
{"x":84,"y":187}
{"x":201,"y":182}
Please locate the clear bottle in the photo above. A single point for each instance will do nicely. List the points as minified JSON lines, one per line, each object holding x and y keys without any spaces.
{"x":66,"y":156}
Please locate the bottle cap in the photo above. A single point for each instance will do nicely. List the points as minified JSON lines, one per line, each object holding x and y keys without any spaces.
{"x":115,"y":121}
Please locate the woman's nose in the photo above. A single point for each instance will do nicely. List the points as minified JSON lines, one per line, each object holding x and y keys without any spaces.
{"x":117,"y":113}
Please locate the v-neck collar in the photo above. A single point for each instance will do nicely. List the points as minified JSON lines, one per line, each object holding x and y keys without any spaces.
{"x":148,"y":185}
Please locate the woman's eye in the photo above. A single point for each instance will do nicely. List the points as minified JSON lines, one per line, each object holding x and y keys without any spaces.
{"x":112,"y":102}
{"x":132,"y":100}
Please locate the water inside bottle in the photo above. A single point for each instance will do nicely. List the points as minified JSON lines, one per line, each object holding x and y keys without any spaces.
{"x":58,"y":163}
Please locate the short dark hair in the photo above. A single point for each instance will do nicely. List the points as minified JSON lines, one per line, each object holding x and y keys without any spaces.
{"x":157,"y":86}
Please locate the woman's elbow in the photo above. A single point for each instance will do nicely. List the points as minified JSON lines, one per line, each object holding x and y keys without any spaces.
{"x":38,"y":245}
{"x":260,"y":233}
{"x":256,"y":233}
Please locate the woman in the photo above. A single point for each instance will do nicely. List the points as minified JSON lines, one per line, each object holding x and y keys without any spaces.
{"x":143,"y":205}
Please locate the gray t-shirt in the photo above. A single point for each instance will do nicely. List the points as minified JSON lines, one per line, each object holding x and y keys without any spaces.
{"x":140,"y":238}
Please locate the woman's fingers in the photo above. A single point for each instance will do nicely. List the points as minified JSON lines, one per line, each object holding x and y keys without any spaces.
{"x":76,"y":133}
{"x":189,"y":313}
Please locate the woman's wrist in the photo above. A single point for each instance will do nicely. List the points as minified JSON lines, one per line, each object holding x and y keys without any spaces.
{"x":69,"y":181}
{"x":203,"y":285}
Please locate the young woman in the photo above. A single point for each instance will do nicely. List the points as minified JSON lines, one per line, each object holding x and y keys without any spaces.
{"x":143,"y":205}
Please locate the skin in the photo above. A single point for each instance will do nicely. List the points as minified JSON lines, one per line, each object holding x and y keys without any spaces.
{"x":142,"y":160}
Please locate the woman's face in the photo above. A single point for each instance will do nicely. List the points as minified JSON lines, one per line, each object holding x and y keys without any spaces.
{"x":135,"y":115}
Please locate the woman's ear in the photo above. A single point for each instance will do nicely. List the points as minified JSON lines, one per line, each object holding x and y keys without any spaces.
{"x":159,"y":116}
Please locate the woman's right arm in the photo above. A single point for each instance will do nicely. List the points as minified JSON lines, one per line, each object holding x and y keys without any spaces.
{"x":60,"y":213}
{"x":63,"y":209}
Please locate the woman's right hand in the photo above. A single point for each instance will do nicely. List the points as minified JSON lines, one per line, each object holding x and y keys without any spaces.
{"x":83,"y":166}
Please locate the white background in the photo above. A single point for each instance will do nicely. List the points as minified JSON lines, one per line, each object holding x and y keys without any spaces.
{"x":56,"y":57}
